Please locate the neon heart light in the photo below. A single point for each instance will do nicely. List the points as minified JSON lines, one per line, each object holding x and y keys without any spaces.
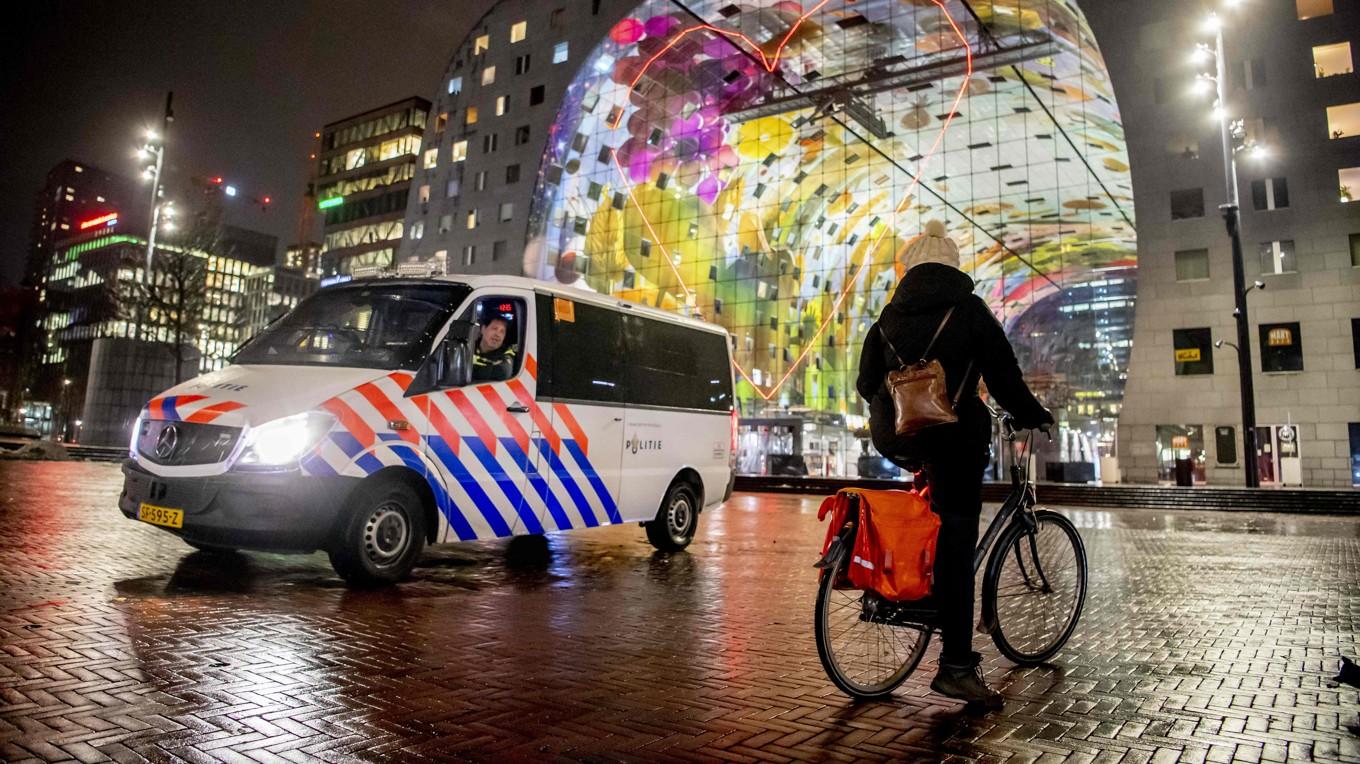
{"x":770,"y":63}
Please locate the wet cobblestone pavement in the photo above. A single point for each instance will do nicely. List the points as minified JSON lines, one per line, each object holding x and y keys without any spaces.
{"x":1207,"y":637}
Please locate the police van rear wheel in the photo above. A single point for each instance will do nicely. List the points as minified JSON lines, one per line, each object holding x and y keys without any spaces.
{"x":676,"y":520}
{"x":383,"y":535}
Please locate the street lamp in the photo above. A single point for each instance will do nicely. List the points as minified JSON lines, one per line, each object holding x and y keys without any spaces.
{"x":1232,"y":219}
{"x":154,"y":148}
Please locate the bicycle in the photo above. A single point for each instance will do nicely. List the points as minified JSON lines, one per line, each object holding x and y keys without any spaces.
{"x":1033,"y":592}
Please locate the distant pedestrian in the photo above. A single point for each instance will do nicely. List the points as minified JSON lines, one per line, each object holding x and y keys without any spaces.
{"x":971,"y":343}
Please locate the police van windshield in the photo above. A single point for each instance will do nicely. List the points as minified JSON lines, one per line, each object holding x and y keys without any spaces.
{"x":377,"y":326}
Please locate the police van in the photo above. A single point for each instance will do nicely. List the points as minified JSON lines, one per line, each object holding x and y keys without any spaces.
{"x":384,"y":414}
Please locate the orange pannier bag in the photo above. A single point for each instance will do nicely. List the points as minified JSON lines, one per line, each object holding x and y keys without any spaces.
{"x":894,"y":550}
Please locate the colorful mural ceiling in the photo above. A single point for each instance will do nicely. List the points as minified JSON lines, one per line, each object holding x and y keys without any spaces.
{"x":764,"y":164}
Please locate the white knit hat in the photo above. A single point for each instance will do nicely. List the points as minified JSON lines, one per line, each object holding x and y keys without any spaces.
{"x":932,"y":246}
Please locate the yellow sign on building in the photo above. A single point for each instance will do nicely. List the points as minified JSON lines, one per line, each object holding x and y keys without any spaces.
{"x":1187,"y":355}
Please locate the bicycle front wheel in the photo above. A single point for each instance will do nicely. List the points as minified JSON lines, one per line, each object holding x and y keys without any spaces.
{"x":1035,"y":588}
{"x":863,"y":655}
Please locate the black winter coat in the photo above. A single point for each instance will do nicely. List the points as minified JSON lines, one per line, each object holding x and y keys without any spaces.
{"x":972,"y":334}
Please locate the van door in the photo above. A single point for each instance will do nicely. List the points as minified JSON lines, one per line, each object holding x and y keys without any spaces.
{"x":679,"y":412}
{"x":481,"y":435}
{"x":580,"y":381}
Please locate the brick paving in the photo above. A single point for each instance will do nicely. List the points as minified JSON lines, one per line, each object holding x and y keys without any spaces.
{"x":1207,"y":637}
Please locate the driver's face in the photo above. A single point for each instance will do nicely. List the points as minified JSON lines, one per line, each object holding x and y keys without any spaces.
{"x":493,"y":336}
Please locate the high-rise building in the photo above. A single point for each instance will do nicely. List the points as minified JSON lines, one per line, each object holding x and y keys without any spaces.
{"x":363,"y":178}
{"x":75,"y":191}
{"x":1291,"y":81}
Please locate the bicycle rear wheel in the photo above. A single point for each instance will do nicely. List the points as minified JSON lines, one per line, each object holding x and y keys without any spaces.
{"x":1035,"y":587}
{"x":863,"y":655}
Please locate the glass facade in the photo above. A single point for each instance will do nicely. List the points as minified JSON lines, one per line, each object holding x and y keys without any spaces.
{"x":765,"y":168}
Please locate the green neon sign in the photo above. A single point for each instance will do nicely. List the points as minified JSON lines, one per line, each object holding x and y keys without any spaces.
{"x":334,"y":201}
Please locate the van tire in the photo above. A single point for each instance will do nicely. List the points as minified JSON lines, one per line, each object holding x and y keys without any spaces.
{"x":382,"y":536}
{"x":676,"y":520}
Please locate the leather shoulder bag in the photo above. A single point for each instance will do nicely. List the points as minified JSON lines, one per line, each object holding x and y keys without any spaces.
{"x":919,"y":391}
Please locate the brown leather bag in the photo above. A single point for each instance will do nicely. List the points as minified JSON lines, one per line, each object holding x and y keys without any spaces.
{"x":919,"y":392}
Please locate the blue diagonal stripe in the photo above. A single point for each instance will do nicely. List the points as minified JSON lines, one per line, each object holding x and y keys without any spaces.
{"x":505,"y":482}
{"x":539,"y":484}
{"x":315,"y":465}
{"x":347,"y":443}
{"x":441,"y":497}
{"x":446,"y":457}
{"x":369,"y":464}
{"x":168,"y":408}
{"x":560,"y":470}
{"x":610,"y":508}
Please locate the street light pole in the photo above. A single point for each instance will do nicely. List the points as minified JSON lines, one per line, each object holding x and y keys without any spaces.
{"x":157,"y":147}
{"x":1232,"y":218}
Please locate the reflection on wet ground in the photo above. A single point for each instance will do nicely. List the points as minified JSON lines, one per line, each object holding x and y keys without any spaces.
{"x":1207,"y":636}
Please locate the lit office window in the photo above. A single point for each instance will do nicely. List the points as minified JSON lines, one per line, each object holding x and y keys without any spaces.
{"x":1349,"y":180}
{"x":481,"y":45}
{"x":472,"y":219}
{"x":459,"y":154}
{"x":488,"y":75}
{"x":518,"y":30}
{"x":502,"y":103}
{"x":431,"y":158}
{"x":425,"y":190}
{"x":1192,"y":265}
{"x":1281,"y":347}
{"x":456,"y":85}
{"x":471,"y":115}
{"x":1331,"y":60}
{"x":417,"y":230}
{"x":441,"y":122}
{"x":1278,"y":257}
{"x":1308,"y":9}
{"x":1343,"y":121}
{"x":560,"y":52}
{"x":451,"y":190}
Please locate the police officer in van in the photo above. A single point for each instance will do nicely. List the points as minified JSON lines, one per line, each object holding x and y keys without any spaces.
{"x":494,"y":360}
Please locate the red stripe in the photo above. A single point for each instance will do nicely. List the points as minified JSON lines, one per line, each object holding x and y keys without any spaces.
{"x":573,"y":426}
{"x":531,"y":364}
{"x":180,"y":400}
{"x":544,"y":424}
{"x":352,"y":422}
{"x":516,"y":429}
{"x":440,"y":422}
{"x":402,"y":379}
{"x":154,"y":407}
{"x":209,"y":413}
{"x":479,"y":424}
{"x":389,"y":411}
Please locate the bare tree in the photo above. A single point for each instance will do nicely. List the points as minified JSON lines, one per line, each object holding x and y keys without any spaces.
{"x":169,"y":308}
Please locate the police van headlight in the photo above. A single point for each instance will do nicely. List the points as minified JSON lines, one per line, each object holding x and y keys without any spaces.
{"x":282,"y":442}
{"x":136,"y":433}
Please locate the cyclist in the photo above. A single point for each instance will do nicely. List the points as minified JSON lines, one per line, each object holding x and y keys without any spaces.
{"x":954,"y":456}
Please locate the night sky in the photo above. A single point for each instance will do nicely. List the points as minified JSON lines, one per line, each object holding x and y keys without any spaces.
{"x":252,"y":82}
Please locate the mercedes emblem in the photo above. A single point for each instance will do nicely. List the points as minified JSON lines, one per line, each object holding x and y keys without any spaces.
{"x":166,"y":441}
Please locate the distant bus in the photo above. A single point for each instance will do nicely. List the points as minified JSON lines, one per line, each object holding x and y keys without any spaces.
{"x":380,"y":415}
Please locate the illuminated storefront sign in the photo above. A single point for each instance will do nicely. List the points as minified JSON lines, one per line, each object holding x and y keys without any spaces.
{"x":1187,"y":355}
{"x":334,"y":201}
{"x":1280,"y":336}
{"x":109,"y":220}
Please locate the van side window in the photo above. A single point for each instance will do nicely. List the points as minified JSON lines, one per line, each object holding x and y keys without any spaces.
{"x":676,"y":366}
{"x":500,"y":349}
{"x":543,"y":321}
{"x":587,"y":353}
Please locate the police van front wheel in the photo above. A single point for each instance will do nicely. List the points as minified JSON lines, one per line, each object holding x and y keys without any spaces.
{"x":383,"y":535}
{"x":676,"y":520}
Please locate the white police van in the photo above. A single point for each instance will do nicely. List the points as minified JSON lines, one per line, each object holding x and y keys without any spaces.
{"x":360,"y":424}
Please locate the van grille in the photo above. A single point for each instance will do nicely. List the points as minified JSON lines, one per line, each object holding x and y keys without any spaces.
{"x":189,"y":443}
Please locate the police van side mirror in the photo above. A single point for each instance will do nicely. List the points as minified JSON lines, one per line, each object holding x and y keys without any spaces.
{"x":450,"y":365}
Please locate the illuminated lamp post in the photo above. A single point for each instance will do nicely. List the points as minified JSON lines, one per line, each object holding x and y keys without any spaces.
{"x":1233,"y":136}
{"x":155,"y":149}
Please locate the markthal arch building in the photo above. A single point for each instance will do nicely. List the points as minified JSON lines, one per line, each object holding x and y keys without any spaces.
{"x":764,"y":165}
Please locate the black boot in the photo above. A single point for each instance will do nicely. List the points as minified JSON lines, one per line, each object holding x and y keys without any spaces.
{"x":964,"y":682}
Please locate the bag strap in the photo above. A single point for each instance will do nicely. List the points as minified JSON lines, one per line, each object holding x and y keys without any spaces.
{"x":936,"y":335}
{"x":893,"y":347}
{"x":958,"y":394}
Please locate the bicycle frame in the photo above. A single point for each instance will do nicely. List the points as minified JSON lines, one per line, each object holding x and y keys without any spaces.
{"x":1022,"y":495}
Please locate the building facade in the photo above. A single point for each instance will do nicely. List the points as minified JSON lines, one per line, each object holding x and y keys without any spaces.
{"x":363,"y":178}
{"x":1292,"y":80}
{"x":763,"y":166}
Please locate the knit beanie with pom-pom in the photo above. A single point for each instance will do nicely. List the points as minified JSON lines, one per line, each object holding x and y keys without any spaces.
{"x":932,"y":246}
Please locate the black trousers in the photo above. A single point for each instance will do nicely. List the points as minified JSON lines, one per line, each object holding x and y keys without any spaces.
{"x":955,"y":477}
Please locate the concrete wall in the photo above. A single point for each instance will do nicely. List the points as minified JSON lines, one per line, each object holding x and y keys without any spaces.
{"x":124,"y":375}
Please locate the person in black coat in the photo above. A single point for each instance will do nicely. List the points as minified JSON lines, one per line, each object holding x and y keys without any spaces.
{"x":970,"y":346}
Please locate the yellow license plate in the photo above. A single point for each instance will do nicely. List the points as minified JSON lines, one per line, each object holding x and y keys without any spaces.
{"x":170,"y":518}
